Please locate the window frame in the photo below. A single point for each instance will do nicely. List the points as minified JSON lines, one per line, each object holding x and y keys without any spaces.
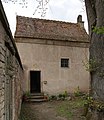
{"x":64,"y":62}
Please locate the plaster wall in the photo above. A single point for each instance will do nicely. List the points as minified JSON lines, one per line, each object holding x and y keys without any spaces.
{"x":47,"y":59}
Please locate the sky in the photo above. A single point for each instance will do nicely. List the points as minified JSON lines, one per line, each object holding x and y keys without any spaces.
{"x":60,"y":10}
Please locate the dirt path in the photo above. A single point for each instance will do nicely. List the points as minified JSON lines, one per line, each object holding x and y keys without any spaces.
{"x":54,"y":110}
{"x":39,"y":111}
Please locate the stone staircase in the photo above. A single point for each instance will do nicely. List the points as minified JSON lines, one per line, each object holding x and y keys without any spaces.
{"x":37,"y":97}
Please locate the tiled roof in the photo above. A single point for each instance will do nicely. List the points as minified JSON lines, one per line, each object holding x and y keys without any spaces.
{"x":49,"y":29}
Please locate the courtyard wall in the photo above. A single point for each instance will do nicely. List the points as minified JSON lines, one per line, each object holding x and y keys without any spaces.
{"x":11,"y":72}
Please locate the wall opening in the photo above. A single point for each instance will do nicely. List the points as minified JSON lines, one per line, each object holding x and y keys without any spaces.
{"x":35,"y":80}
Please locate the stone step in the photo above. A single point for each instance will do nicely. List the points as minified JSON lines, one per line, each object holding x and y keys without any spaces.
{"x":37,"y":94}
{"x":36,"y":97}
{"x":37,"y":100}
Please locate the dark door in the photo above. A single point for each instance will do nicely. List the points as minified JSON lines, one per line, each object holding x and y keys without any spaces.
{"x":35,"y":82}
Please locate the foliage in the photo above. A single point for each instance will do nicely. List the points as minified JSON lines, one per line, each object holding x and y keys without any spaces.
{"x":63,"y":110}
{"x":53,"y":97}
{"x":71,"y":109}
{"x":101,"y":74}
{"x":89,"y":100}
{"x":59,"y":97}
{"x":92,"y":65}
{"x":92,"y":104}
{"x":78,"y":92}
{"x":66,"y":94}
{"x":26,"y":95}
{"x":98,"y":30}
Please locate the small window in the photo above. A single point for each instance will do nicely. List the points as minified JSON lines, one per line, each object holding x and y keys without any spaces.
{"x":64,"y":62}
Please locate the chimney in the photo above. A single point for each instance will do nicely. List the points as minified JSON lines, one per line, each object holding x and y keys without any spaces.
{"x":79,"y":21}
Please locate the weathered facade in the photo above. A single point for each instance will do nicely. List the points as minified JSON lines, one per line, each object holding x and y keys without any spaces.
{"x":11,"y":72}
{"x":53,"y":53}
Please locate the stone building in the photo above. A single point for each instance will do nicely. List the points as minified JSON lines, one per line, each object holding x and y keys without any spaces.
{"x":52,"y":53}
{"x":11,"y":72}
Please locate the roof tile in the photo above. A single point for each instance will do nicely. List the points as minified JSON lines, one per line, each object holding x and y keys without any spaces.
{"x":49,"y":29}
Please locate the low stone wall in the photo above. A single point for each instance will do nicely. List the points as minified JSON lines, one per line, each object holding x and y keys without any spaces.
{"x":11,"y":73}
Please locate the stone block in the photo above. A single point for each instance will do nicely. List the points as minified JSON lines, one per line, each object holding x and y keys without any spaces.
{"x":2,"y":65}
{"x":2,"y":114}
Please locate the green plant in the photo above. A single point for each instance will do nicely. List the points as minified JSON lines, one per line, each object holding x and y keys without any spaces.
{"x":60,"y":95}
{"x":65,"y":110}
{"x":92,"y":104}
{"x":100,"y":107}
{"x":98,"y":30}
{"x":90,"y":100}
{"x":63,"y":96}
{"x":66,"y":93}
{"x":53,"y":97}
{"x":26,"y":95}
{"x":77,"y":92}
{"x":70,"y":109}
{"x":101,"y":74}
{"x":92,"y":65}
